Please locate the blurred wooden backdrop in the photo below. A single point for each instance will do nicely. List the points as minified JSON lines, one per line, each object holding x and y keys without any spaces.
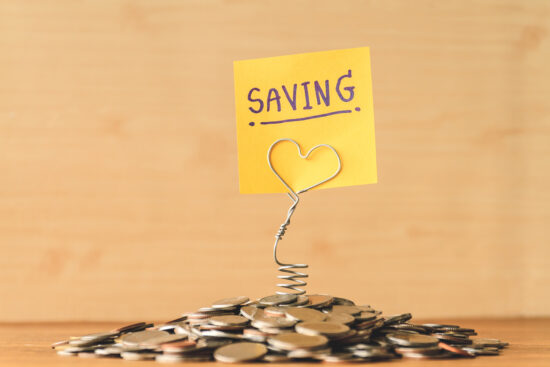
{"x":118,"y":166}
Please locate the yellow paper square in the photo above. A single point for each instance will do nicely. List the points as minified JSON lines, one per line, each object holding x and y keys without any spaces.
{"x":340,"y":115}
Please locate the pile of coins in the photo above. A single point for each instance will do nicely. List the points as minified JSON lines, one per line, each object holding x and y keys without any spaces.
{"x":282,"y":328}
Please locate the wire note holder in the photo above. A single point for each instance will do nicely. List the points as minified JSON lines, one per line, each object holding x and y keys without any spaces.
{"x":291,"y":275}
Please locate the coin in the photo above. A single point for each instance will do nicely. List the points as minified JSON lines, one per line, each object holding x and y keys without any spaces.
{"x":302,"y":300}
{"x":329,"y":329}
{"x":251,"y":312}
{"x":179,"y":346}
{"x":230,"y":302}
{"x":273,"y":322}
{"x":342,"y":318}
{"x":455,"y":350}
{"x":276,"y":358}
{"x":228,"y":320}
{"x":320,"y":300}
{"x":137,"y":356}
{"x":138,"y":326}
{"x":275,"y":311}
{"x":412,"y":340}
{"x":453,"y":338}
{"x":304,"y":314}
{"x":342,"y":301}
{"x":100,"y":336}
{"x":441,"y":326}
{"x":397,"y":319}
{"x":240,"y":352}
{"x":278,"y":299}
{"x":159,"y":340}
{"x":488,"y":351}
{"x":141,"y":336}
{"x":309,"y":353}
{"x":325,"y":328}
{"x":292,"y":341}
{"x":485,"y":342}
{"x":352,"y":310}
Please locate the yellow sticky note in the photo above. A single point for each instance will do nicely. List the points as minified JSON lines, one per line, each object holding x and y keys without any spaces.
{"x":312,"y":98}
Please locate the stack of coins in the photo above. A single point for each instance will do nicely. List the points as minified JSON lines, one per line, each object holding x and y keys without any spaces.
{"x":282,"y":328}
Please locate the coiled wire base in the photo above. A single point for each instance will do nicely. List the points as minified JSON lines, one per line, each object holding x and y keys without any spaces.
{"x":291,"y":275}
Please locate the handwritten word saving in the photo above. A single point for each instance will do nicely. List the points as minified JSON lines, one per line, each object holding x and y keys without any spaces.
{"x":304,"y":97}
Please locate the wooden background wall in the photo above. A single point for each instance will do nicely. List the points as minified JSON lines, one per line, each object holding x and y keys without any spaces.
{"x":118,"y":167}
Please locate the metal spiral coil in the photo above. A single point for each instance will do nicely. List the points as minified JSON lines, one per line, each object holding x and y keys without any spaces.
{"x":293,"y":277}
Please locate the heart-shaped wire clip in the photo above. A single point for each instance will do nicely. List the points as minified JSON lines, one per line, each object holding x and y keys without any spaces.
{"x":295,"y":276}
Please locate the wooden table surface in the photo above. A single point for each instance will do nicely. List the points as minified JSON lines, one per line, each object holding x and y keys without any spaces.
{"x":27,"y":344}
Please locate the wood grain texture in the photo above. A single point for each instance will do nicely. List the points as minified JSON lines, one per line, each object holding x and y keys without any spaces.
{"x":28,"y":344}
{"x":118,"y":166}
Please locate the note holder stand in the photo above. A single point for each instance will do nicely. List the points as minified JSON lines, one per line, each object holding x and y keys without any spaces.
{"x":291,"y":274}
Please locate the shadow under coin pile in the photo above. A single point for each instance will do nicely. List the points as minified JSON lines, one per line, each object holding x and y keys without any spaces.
{"x":282,"y":328}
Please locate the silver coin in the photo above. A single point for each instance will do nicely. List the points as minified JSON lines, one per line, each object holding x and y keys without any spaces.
{"x":91,"y":339}
{"x":343,"y":301}
{"x":240,"y":352}
{"x":365,"y":316}
{"x":309,"y":353}
{"x":220,"y":334}
{"x":423,"y":350}
{"x":292,"y":341}
{"x":228,"y":320}
{"x":137,"y":356}
{"x":278,"y":299}
{"x":276,"y":358}
{"x":138,"y":326}
{"x":441,"y":326}
{"x":100,"y":336}
{"x":109,"y":351}
{"x":352,"y":310}
{"x":275,"y":311}
{"x":412,"y":340}
{"x":304,"y":314}
{"x":302,"y":300}
{"x":251,"y":312}
{"x":272,"y":322}
{"x":397,"y":319}
{"x":485,"y":342}
{"x":483,"y":351}
{"x":163,"y":339}
{"x":319,"y":300}
{"x":329,"y":329}
{"x":230,"y":302}
{"x":141,"y":336}
{"x":342,"y":318}
{"x":218,"y":310}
